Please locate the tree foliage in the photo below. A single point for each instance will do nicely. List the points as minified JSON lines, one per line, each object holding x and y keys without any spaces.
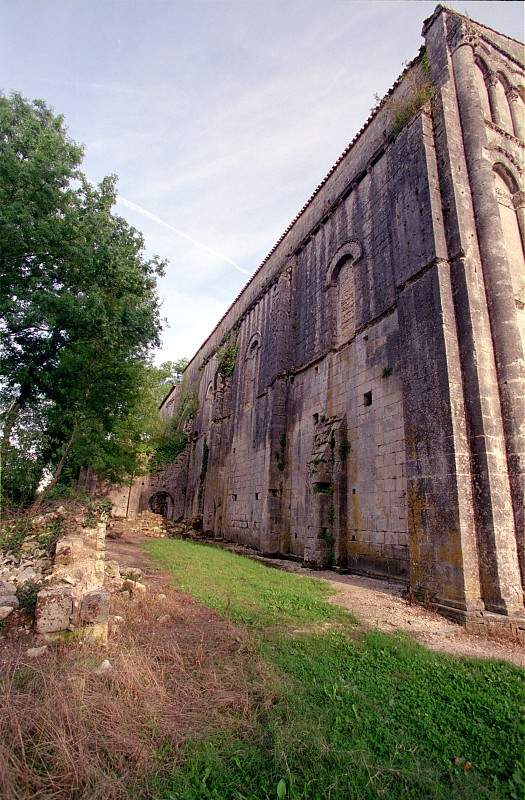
{"x":79,"y":309}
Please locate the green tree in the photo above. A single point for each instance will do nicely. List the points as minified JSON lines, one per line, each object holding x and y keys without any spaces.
{"x":78,"y":304}
{"x":169,"y":373}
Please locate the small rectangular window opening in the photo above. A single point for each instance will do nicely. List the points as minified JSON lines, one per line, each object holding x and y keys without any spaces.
{"x":316,"y":419}
{"x":367,"y":398}
{"x":234,"y":497}
{"x":257,"y":495}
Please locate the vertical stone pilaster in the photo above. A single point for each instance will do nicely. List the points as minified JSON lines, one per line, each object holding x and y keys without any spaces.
{"x":506,"y":337}
{"x":518,"y":202}
{"x":275,"y":525}
{"x":517,"y":112}
{"x":492,"y":84}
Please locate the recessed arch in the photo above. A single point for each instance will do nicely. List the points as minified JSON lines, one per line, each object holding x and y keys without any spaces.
{"x":482,"y":65}
{"x":506,"y":83}
{"x":350,"y":251}
{"x":161,"y":503}
{"x":253,"y":344}
{"x":482,"y":73}
{"x":510,"y":200}
{"x":507,"y":176}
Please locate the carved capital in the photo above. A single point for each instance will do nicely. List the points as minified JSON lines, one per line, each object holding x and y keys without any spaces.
{"x":460,"y":35}
{"x":512,"y":94}
{"x":492,"y":79}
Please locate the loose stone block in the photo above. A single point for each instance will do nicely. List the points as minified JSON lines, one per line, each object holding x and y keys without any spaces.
{"x":56,"y":609}
{"x":94,"y":607}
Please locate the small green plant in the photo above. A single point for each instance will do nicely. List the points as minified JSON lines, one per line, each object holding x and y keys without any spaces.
{"x":323,"y":487}
{"x":13,"y":535}
{"x":387,"y":371}
{"x":96,"y":508}
{"x":281,"y":789}
{"x":50,"y":535}
{"x":173,"y":439}
{"x":344,"y":448}
{"x":27,"y":596}
{"x":64,"y":492}
{"x":425,"y":63}
{"x":405,"y":110}
{"x":280,"y":454}
{"x":227,"y":354}
{"x":327,"y":537}
{"x":205,"y":457}
{"x":227,"y":360}
{"x":331,"y":514}
{"x":23,"y":677}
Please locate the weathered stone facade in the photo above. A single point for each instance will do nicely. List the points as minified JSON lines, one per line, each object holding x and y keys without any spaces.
{"x":375,"y":415}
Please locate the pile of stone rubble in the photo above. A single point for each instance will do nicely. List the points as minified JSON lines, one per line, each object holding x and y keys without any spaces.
{"x":123,"y":579}
{"x":31,"y":564}
{"x":145,"y":524}
{"x":53,"y":565}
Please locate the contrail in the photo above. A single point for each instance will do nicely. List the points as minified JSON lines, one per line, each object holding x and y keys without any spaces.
{"x":145,"y":213}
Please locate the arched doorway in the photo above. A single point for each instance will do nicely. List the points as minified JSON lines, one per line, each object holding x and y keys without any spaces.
{"x":162,"y":503}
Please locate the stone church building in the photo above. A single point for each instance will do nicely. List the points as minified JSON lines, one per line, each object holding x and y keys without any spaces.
{"x":361,"y":404}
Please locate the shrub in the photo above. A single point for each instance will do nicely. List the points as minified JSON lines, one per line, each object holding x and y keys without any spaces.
{"x":27,"y":595}
{"x":227,"y":358}
{"x":173,"y":440}
{"x":13,"y":534}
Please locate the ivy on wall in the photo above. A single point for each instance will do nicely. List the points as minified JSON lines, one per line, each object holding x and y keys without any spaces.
{"x":421,"y":91}
{"x":174,"y":438}
{"x":227,"y":354}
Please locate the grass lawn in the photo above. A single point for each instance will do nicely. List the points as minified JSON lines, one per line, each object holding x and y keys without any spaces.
{"x":344,"y":713}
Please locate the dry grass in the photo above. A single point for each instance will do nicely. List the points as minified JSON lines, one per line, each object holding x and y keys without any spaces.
{"x":67,"y":732}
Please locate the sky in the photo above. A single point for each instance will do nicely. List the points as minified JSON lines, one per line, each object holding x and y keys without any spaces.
{"x":219,"y":118}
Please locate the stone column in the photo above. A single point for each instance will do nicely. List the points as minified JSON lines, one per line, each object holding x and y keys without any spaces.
{"x":500,"y":301}
{"x":517,"y":112}
{"x":492,"y":82}
{"x":518,"y":201}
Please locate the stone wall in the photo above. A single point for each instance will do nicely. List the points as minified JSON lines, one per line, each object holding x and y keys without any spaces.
{"x":375,"y":417}
{"x":74,"y":598}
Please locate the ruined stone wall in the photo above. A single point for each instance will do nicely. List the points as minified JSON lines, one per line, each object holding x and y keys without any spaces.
{"x":74,"y":597}
{"x":375,"y":416}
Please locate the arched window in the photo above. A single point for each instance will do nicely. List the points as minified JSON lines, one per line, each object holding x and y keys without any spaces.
{"x":251,"y":368}
{"x":481,"y":78}
{"x":208,"y":407}
{"x":341,"y":279}
{"x":346,"y":302}
{"x":500,"y":101}
{"x":511,"y":208}
{"x":502,"y":88}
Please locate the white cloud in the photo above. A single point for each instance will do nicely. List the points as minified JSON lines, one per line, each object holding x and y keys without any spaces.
{"x":131,"y":206}
{"x":189,"y":324}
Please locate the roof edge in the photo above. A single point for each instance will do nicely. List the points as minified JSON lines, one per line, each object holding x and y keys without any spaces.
{"x":449,"y":10}
{"x":375,"y":111}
